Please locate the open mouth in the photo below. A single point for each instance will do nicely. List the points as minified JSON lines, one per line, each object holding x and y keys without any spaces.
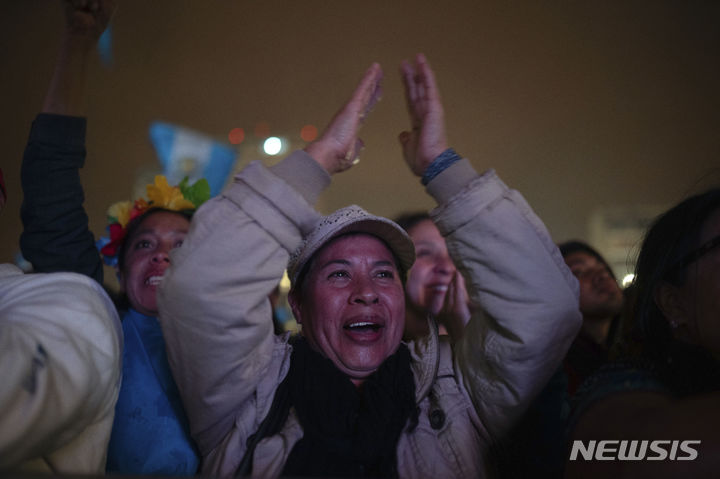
{"x":363,"y":326}
{"x":153,"y":280}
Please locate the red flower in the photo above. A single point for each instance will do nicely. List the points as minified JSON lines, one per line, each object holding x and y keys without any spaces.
{"x":117,"y":236}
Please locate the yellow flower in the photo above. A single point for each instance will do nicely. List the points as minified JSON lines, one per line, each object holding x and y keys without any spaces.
{"x":140,"y":206}
{"x":121,"y":212}
{"x":162,"y":195}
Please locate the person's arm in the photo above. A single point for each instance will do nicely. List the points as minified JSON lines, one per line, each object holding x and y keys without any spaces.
{"x":60,"y":350}
{"x":213,"y":302}
{"x":528,"y":311}
{"x":85,"y":21}
{"x":56,"y":235}
{"x":527,"y":298}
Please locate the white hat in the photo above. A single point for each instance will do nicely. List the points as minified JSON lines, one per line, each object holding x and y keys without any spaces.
{"x":352,"y":219}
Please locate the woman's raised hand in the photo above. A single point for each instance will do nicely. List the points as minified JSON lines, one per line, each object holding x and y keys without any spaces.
{"x":339,"y":146}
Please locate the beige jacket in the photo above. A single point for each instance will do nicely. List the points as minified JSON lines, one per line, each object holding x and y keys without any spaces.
{"x":227,"y":363}
{"x":60,"y":353}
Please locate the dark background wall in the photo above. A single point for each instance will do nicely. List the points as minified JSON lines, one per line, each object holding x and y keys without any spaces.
{"x":580,"y":105}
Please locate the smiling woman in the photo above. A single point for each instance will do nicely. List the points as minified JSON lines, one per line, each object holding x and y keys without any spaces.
{"x":145,"y":255}
{"x":150,"y":432}
{"x":142,"y":234}
{"x":349,"y":398}
{"x":349,"y":297}
{"x":434,"y":288}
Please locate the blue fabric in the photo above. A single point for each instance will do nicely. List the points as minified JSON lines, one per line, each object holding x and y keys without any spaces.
{"x":150,"y":434}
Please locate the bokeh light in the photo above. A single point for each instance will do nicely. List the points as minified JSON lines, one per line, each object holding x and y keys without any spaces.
{"x":236,"y":136}
{"x":308,"y":133}
{"x":272,"y":146}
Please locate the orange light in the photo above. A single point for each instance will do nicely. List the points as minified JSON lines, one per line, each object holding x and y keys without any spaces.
{"x":262,"y":129}
{"x":308,"y":133}
{"x":236,"y":136}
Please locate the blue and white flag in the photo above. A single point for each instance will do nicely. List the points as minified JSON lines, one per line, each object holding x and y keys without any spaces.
{"x":184,"y":152}
{"x":104,"y":47}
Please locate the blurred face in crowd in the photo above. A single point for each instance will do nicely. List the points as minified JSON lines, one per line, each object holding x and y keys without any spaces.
{"x":351,"y":304}
{"x":147,"y":258}
{"x":600,"y":295}
{"x":696,"y":306}
{"x":430,"y":275}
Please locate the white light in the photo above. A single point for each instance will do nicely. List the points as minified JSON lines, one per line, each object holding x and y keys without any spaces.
{"x":628,"y":279}
{"x":272,"y":146}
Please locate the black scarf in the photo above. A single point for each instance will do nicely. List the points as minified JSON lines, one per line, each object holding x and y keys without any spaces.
{"x":348,"y":432}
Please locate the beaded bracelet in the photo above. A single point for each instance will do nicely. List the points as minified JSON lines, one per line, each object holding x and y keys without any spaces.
{"x":439,"y":164}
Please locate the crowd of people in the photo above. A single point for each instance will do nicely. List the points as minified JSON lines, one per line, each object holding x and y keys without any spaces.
{"x":460,"y":342}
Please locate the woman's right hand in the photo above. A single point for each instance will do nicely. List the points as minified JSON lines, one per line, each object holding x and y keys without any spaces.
{"x":339,"y":146}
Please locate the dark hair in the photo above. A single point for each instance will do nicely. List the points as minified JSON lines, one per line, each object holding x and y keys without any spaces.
{"x":669,"y":239}
{"x":135,"y":223}
{"x":408,"y":220}
{"x":574,"y":246}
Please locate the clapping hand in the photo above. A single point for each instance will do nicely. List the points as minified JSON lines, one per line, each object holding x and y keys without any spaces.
{"x":456,"y":310}
{"x":339,"y":146}
{"x":427,"y":138}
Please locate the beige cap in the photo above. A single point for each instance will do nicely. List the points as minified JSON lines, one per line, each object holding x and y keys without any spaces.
{"x":352,"y":219}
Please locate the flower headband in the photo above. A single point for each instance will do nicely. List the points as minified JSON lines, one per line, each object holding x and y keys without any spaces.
{"x":182,"y":197}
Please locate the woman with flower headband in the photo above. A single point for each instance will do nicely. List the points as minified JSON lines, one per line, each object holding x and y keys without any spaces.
{"x":150,"y":432}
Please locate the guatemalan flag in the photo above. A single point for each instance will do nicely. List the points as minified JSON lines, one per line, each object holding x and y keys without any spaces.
{"x":104,"y":47}
{"x":184,"y":152}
